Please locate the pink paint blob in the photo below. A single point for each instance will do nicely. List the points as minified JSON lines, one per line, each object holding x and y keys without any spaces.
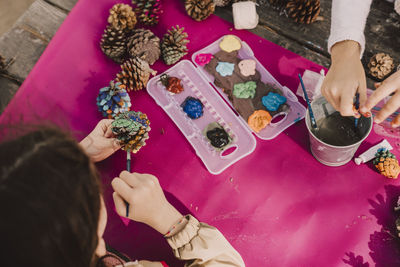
{"x":203,"y":59}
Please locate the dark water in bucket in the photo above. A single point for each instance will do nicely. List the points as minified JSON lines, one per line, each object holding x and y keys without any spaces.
{"x":339,"y":131}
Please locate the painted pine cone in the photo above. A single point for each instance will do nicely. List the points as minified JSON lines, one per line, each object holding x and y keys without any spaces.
{"x":135,"y":73}
{"x":145,"y":45}
{"x":113,"y":44}
{"x":148,"y":11}
{"x":122,"y":17}
{"x":387,"y":164}
{"x":131,"y":130}
{"x":113,"y":100}
{"x":174,"y":45}
{"x":199,"y":9}
{"x":381,"y":65}
{"x":303,"y":11}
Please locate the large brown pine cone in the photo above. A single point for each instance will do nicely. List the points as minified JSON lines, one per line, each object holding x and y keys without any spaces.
{"x":148,"y":11}
{"x":174,"y":45}
{"x":2,"y":64}
{"x":145,"y":45}
{"x":122,"y":17}
{"x":135,"y":73}
{"x":199,"y":9}
{"x":113,"y":44}
{"x":303,"y":11}
{"x":381,"y":65}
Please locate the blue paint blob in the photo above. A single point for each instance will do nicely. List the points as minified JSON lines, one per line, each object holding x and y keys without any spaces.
{"x":225,"y":68}
{"x":273,"y":101}
{"x":192,"y":107}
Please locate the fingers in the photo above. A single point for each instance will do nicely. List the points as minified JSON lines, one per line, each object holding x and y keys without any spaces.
{"x":120,"y":205}
{"x":384,"y":90}
{"x":396,"y":122}
{"x":122,"y":188}
{"x":346,"y":105}
{"x":362,"y":90}
{"x":132,"y":179}
{"x":390,"y":107}
{"x":104,"y":126}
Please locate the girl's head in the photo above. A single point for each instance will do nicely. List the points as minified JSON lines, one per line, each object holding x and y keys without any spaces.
{"x":49,"y":202}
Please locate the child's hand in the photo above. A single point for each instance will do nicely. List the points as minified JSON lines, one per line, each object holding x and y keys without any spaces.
{"x":147,"y":203}
{"x":100,"y":143}
{"x":387,"y":87}
{"x":345,"y":78}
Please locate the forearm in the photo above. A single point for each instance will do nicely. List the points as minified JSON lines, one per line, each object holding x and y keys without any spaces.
{"x":203,"y":245}
{"x":348,"y":21}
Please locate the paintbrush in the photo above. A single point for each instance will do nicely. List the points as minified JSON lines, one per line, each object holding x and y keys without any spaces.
{"x":312,"y":118}
{"x":357,"y":107}
{"x":128,"y":168}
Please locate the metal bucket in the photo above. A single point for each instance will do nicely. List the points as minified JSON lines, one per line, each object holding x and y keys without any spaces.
{"x":329,"y":154}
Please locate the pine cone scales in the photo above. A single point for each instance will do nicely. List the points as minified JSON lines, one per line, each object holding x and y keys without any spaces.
{"x":131,"y":130}
{"x":145,"y":45}
{"x":2,"y":64}
{"x":113,"y":44}
{"x":122,"y":17}
{"x":303,"y":11}
{"x":148,"y":11}
{"x":199,"y":9}
{"x":174,"y":45}
{"x":387,"y":164}
{"x":135,"y":74}
{"x":381,"y":65}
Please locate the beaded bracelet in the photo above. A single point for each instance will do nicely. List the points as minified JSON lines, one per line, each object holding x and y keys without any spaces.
{"x":174,"y":226}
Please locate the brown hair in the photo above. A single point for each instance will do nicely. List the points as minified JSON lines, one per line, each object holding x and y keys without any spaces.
{"x":49,"y":201}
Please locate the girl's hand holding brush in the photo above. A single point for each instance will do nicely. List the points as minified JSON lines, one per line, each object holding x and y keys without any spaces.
{"x":147,"y":202}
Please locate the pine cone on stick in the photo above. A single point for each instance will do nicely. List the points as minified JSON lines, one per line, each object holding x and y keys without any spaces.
{"x":122,"y":17}
{"x":174,"y":45}
{"x":135,"y":74}
{"x":199,"y":9}
{"x":144,"y":45}
{"x":222,"y":3}
{"x":113,"y":44}
{"x":303,"y":11}
{"x":131,"y":130}
{"x":381,"y":65}
{"x":148,"y":11}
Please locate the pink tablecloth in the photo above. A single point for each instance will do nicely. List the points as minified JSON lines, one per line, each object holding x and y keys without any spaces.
{"x":278,"y":206}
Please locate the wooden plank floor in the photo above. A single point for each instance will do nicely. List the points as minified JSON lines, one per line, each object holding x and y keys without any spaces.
{"x":27,"y":39}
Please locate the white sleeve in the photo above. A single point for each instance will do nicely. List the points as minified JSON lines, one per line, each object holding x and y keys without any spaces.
{"x":348,"y":21}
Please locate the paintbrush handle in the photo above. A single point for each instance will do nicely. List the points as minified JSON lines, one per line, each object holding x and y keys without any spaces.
{"x":312,"y":118}
{"x":128,"y":168}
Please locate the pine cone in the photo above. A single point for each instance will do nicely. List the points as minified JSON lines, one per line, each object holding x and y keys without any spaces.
{"x":148,"y":11}
{"x":174,"y":45}
{"x":113,"y":100}
{"x":381,"y":65}
{"x":278,"y":4}
{"x":113,"y":44}
{"x":199,"y":9}
{"x":131,"y":130}
{"x":303,"y":11}
{"x":122,"y":17}
{"x":145,"y":45}
{"x":2,"y":64}
{"x":135,"y":74}
{"x":222,"y":3}
{"x":386,"y":163}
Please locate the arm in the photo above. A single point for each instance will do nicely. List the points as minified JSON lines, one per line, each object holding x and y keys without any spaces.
{"x":348,"y":20}
{"x":197,"y":243}
{"x":203,"y":245}
{"x":346,"y":44}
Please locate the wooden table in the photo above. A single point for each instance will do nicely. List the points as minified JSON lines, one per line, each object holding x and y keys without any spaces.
{"x":28,"y":38}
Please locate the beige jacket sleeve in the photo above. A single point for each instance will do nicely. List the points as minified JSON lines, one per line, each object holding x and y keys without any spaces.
{"x":202,"y":245}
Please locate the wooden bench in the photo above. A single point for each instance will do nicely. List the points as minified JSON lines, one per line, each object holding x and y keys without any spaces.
{"x":27,"y":39}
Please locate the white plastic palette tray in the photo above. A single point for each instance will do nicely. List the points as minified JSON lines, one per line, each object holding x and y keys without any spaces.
{"x":197,"y":83}
{"x":215,"y":110}
{"x":297,"y":111}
